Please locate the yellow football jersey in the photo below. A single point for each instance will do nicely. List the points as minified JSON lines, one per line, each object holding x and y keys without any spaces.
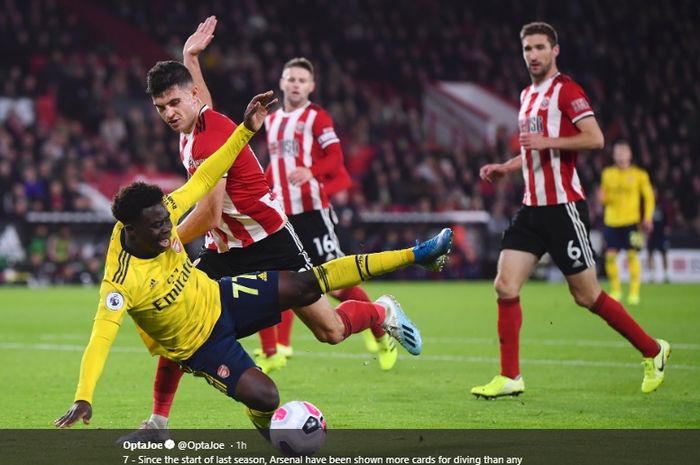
{"x":174,"y":305}
{"x":621,"y":194}
{"x":170,"y":300}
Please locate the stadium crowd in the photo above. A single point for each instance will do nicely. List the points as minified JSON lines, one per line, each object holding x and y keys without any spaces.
{"x":73,"y":112}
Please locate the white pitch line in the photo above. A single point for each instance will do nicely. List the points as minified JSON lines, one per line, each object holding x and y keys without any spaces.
{"x":60,"y":347}
{"x":365,"y":356}
{"x":621,"y":344}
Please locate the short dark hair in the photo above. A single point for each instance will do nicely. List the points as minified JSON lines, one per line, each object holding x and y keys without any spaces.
{"x":540,"y":27}
{"x":300,"y":62}
{"x":132,"y":200}
{"x":166,"y":74}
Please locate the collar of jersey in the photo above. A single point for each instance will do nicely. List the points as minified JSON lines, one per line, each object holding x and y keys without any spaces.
{"x":544,"y":84}
{"x":300,"y":109}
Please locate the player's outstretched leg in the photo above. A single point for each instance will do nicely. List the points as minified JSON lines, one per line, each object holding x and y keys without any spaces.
{"x":351,"y":270}
{"x":304,"y":289}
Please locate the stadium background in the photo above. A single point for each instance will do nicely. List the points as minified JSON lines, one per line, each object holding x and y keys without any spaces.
{"x":74,"y":118}
{"x":74,"y":121}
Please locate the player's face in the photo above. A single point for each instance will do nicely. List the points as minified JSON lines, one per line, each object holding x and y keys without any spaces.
{"x":178,"y":107}
{"x":296,"y":84}
{"x":622,"y":154}
{"x":150,"y":235}
{"x":539,"y":55}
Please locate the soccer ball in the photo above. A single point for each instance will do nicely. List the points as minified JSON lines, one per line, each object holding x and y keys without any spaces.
{"x":298,"y":428}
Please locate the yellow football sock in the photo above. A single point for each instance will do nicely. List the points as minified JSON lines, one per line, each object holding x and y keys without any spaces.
{"x":259,"y":419}
{"x":635,"y":272}
{"x":350,"y":271}
{"x":611,"y":271}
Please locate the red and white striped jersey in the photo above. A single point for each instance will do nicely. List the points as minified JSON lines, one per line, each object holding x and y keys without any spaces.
{"x":251,"y":211}
{"x":303,"y":137}
{"x":552,"y":109}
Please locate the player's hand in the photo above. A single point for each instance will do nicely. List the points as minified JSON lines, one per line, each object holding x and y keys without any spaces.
{"x":300,"y":176}
{"x":258,"y":109}
{"x":647,"y":226}
{"x":80,"y":410}
{"x":533,"y":141}
{"x":492,"y":171}
{"x":198,"y":41}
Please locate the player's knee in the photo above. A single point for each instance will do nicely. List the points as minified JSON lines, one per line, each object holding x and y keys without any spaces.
{"x":505,"y":288}
{"x":583,"y":299}
{"x":265,"y":398}
{"x":329,"y":335}
{"x":329,"y":329}
{"x":257,"y":391}
{"x":308,"y":289}
{"x":269,"y":398}
{"x":336,"y":336}
{"x":297,"y":289}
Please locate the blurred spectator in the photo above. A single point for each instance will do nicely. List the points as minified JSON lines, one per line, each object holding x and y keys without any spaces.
{"x":60,"y":251}
{"x":39,"y":266}
{"x":91,"y":122}
{"x":112,"y":129}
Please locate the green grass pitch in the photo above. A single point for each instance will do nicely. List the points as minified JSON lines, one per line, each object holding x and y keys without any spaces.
{"x":578,"y":372}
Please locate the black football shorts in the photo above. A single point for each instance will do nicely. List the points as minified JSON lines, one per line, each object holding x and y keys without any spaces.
{"x":562,"y":230}
{"x":316,"y":229}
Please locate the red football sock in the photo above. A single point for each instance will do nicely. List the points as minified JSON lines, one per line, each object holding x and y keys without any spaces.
{"x":268,"y":340}
{"x":353,"y":293}
{"x":357,"y":293}
{"x":358,"y":316}
{"x":616,"y":316}
{"x":284,"y":328}
{"x":510,"y":319}
{"x":168,"y":376}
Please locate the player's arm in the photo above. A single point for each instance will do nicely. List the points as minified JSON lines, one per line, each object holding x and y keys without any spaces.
{"x":195,"y":44}
{"x":493,"y":171}
{"x":205,"y":216}
{"x":104,"y":331}
{"x":326,"y":166}
{"x":340,"y":181}
{"x":590,"y":137}
{"x":649,"y":202}
{"x":331,"y":159}
{"x":212,"y":170}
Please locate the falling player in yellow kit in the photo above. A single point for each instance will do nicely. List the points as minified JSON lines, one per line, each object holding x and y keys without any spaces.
{"x":621,"y":188}
{"x":191,"y":319}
